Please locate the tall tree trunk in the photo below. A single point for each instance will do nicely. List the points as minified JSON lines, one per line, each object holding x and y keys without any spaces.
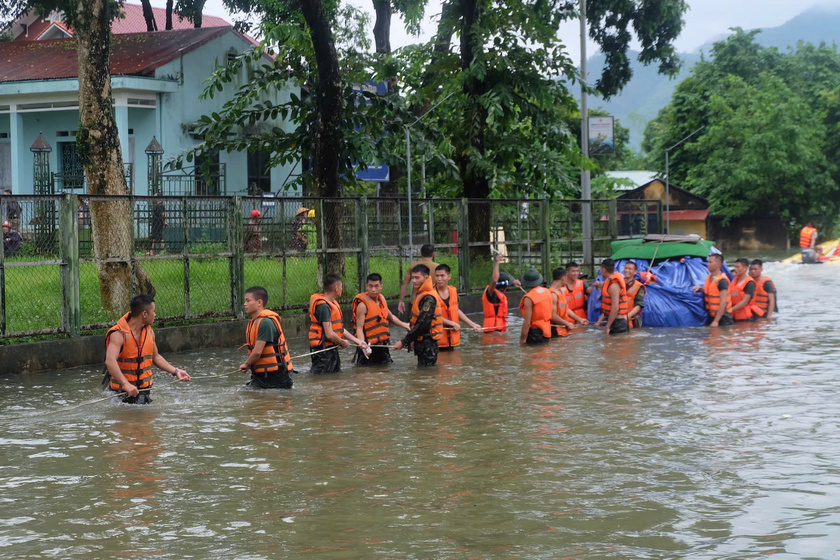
{"x":169,"y":6}
{"x":476,"y":184}
{"x":199,"y":12}
{"x":326,"y":135}
{"x":149,"y":15}
{"x":99,"y":146}
{"x":382,"y":26}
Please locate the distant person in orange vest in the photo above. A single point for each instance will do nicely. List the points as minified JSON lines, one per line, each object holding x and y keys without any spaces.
{"x":451,"y":313}
{"x":716,"y":293}
{"x":614,"y":301}
{"x":268,"y":354}
{"x":371,"y":317}
{"x":427,"y":259}
{"x":635,"y":294}
{"x":765,"y":291}
{"x":326,"y":327}
{"x":131,"y":351}
{"x":576,"y":291}
{"x":742,"y":291}
{"x":811,"y":252}
{"x":494,"y":299}
{"x":426,"y":319}
{"x":561,"y":306}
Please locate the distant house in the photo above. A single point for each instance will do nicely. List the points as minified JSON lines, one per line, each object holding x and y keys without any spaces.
{"x":157,"y":79}
{"x":688,"y":212}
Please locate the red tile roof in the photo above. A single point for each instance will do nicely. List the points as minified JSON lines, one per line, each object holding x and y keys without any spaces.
{"x":132,"y":54}
{"x":132,"y":22}
{"x":686,"y":215}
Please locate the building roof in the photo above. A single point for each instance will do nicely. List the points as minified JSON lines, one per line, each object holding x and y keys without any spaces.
{"x":132,"y":21}
{"x":637,"y":177}
{"x":132,"y":54}
{"x":639,"y":193}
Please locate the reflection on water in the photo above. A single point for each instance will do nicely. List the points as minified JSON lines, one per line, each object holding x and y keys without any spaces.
{"x":662,"y":443}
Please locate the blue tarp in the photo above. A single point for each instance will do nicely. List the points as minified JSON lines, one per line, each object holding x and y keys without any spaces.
{"x":670,"y":301}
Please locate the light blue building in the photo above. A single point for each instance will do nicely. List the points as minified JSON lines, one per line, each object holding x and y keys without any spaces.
{"x":157,"y":79}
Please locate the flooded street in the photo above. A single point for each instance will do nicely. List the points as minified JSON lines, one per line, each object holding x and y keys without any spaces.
{"x":662,"y":443}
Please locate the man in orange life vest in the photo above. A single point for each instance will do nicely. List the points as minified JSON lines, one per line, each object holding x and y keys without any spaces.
{"x":742,"y":291}
{"x":371,"y":317}
{"x":811,"y":252}
{"x":268,"y":355}
{"x":560,"y":304}
{"x":451,"y":313}
{"x":131,"y":351}
{"x":427,"y":257}
{"x":576,"y":291}
{"x":635,"y":294}
{"x":326,"y":327}
{"x":537,"y":309}
{"x":765,"y":291}
{"x":426,"y":320}
{"x":614,"y":301}
{"x":716,"y":293}
{"x":494,"y":300}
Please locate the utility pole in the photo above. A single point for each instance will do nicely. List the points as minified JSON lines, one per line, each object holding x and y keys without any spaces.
{"x":585,"y":185}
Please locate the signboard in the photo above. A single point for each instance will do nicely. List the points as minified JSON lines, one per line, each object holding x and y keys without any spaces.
{"x":374,"y":173}
{"x":601,"y":136}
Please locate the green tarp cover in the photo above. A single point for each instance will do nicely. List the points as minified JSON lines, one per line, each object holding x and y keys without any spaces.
{"x":638,"y":249}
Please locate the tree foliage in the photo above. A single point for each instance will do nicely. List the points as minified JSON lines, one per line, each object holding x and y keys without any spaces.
{"x":767,"y":146}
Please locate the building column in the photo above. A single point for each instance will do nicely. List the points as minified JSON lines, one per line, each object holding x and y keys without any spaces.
{"x":21,"y":176}
{"x":121,"y":113}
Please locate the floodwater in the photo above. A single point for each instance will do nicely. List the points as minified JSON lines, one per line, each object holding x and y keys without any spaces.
{"x":656,"y":444}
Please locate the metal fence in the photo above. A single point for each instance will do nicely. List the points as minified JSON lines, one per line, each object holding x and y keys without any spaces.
{"x":200,"y":253}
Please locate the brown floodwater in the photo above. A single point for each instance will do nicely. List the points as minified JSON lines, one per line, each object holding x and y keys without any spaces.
{"x":665,"y":443}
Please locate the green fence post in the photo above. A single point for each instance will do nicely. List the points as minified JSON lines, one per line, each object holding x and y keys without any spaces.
{"x":613,"y":209}
{"x":2,"y":290}
{"x":132,"y":248}
{"x":430,"y":222}
{"x":545,"y":227}
{"x":236,"y":239}
{"x":185,"y":255}
{"x":364,"y":250}
{"x":71,"y":307}
{"x":659,"y":226}
{"x":464,"y":242}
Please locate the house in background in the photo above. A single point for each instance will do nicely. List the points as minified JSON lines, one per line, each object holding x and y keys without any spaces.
{"x":157,"y":79}
{"x":689,"y":213}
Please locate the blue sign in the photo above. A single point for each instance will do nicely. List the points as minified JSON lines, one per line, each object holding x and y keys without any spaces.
{"x":380,"y":173}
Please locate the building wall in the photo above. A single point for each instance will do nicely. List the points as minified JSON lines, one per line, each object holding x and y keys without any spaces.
{"x":751,"y":234}
{"x":656,"y":191}
{"x":687,"y":227}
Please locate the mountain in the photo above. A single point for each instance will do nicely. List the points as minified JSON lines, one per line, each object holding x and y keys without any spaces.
{"x":647,"y":91}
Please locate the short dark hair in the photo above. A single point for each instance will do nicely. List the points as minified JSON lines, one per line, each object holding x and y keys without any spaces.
{"x":7,"y":191}
{"x":374,"y":277}
{"x":444,"y":267}
{"x":558,"y":273}
{"x":718,"y":256}
{"x":572,"y":264}
{"x":608,"y":265}
{"x":757,"y":262}
{"x":743,"y":261}
{"x":140,"y":303}
{"x":631,"y":262}
{"x":427,"y":250}
{"x":331,"y":280}
{"x":421,"y":269}
{"x":259,"y":293}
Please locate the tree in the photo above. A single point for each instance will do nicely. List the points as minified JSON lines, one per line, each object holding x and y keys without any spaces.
{"x":149,"y":15}
{"x":98,"y":144}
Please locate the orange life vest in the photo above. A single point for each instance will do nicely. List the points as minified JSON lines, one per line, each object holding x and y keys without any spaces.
{"x":450,"y":312}
{"x":376,"y":318}
{"x":562,"y":309}
{"x":541,"y":313}
{"x":495,"y":314}
{"x":436,"y":330}
{"x":736,"y":294}
{"x":712,"y":293}
{"x":316,"y":331}
{"x":805,"y":236}
{"x":273,"y":358}
{"x":135,"y":359}
{"x":762,"y":298}
{"x":631,"y":299}
{"x":576,"y":298}
{"x":606,"y":298}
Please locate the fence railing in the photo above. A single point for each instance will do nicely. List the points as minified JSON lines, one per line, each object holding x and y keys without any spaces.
{"x":200,"y":253}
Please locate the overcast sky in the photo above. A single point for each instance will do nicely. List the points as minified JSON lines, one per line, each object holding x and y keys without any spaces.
{"x":705,"y":20}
